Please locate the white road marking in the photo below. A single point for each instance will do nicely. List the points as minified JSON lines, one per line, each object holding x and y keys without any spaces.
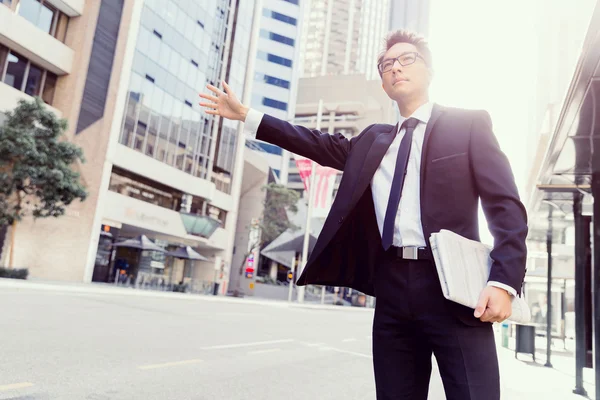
{"x":169,"y":364}
{"x":349,"y":340}
{"x":238,"y":345}
{"x":13,"y":386}
{"x":346,"y":352}
{"x":263,"y":351}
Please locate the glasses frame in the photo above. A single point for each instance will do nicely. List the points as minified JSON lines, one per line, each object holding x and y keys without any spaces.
{"x":416,"y":54}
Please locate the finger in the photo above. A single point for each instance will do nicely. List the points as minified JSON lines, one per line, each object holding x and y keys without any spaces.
{"x":210,"y":105}
{"x":481,"y":306}
{"x":226,"y":86}
{"x":209,"y":97}
{"x":487,"y":316}
{"x":215,"y":89}
{"x":212,"y":112}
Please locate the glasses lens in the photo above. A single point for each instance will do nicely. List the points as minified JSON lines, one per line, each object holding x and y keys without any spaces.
{"x":407,"y":59}
{"x":387,"y":65}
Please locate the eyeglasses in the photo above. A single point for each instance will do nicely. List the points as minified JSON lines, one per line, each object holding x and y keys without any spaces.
{"x":404,"y":60}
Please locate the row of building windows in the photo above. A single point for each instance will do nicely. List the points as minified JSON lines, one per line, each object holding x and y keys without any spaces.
{"x":20,"y":73}
{"x":46,"y":17}
{"x":176,"y":56}
{"x":261,"y":55}
{"x":169,"y":130}
{"x":138,"y":187}
{"x":279,"y":17}
{"x":277,"y":37}
{"x":271,"y":80}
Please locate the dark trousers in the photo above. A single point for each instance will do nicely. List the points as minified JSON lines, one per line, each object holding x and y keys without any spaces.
{"x":412,"y":321}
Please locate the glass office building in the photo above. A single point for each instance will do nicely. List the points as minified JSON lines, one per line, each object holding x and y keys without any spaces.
{"x":179,"y":50}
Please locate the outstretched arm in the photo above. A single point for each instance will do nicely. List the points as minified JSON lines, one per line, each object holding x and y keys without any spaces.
{"x":325,"y":149}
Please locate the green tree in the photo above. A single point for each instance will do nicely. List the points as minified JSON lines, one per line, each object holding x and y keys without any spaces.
{"x":36,"y":178}
{"x":274,"y":219}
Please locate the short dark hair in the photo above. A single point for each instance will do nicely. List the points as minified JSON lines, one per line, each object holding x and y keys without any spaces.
{"x":406,"y":36}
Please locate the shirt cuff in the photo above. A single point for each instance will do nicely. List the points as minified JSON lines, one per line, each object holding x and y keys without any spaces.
{"x":503,"y":286}
{"x":253,"y":120}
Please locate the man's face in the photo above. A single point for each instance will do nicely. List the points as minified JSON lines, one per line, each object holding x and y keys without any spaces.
{"x":402,"y":83}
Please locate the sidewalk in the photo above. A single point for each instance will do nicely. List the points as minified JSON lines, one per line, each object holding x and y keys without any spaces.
{"x":523,"y":379}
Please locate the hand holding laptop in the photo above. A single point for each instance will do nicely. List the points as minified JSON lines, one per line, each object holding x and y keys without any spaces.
{"x":463,"y":266}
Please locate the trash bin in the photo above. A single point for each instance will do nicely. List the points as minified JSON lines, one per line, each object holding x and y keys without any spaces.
{"x":215,"y":289}
{"x":525,"y":340}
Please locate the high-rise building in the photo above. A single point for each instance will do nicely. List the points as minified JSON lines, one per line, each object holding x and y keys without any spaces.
{"x":410,"y":14}
{"x":344,"y":37}
{"x":126,"y":75}
{"x":276,"y":68}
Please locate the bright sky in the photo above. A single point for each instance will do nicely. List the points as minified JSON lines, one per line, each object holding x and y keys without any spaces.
{"x":483,"y":59}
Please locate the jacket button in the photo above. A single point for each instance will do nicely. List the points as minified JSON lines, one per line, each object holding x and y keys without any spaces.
{"x":341,"y":220}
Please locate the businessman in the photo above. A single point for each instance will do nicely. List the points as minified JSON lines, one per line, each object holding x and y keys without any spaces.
{"x":400,"y":184}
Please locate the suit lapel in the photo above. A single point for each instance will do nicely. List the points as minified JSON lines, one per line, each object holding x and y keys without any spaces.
{"x":435,"y":114}
{"x":376,"y":153}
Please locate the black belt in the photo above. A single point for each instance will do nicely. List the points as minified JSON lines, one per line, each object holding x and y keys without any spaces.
{"x":411,"y":253}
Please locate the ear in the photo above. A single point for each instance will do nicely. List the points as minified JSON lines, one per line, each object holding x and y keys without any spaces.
{"x":431,"y":73}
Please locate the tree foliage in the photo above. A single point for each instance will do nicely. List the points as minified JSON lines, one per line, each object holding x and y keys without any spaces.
{"x":36,"y":175}
{"x":274,"y":221}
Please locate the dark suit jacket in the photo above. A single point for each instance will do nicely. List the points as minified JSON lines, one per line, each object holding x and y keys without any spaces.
{"x":461,"y":164}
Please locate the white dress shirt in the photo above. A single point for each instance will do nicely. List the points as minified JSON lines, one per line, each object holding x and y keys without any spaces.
{"x":407,"y":230}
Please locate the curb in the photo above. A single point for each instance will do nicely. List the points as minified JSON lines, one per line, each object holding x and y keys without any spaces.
{"x":92,"y":288}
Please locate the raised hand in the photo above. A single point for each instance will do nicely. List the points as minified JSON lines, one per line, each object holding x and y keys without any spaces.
{"x":224,"y":104}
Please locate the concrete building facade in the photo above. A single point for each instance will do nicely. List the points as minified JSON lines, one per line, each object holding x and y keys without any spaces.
{"x":126,"y":76}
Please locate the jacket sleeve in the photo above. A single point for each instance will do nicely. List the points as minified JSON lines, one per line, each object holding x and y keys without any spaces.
{"x":504,"y":211}
{"x":325,"y":149}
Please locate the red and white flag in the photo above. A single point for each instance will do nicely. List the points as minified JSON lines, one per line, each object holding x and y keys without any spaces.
{"x":324,"y":183}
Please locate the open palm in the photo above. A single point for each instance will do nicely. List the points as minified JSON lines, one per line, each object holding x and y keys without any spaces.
{"x":224,"y":104}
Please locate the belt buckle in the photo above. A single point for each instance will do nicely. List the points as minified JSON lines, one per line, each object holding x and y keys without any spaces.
{"x":410,"y":253}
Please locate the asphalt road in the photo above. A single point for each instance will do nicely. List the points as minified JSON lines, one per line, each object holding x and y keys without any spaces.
{"x":61,"y":345}
{"x":61,"y":341}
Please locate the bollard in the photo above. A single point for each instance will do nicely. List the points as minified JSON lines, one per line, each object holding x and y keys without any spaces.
{"x":505,"y":327}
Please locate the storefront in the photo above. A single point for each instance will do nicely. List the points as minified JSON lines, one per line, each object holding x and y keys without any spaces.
{"x":136,"y":206}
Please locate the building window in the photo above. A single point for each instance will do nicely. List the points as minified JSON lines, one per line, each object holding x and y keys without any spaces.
{"x":34,"y":81}
{"x":271,"y":80}
{"x":44,"y":16}
{"x":276,"y":37}
{"x":49,"y":88}
{"x":292,"y":1}
{"x":274,"y":103}
{"x":279,"y":17}
{"x":274,"y":59}
{"x":270,"y":148}
{"x":132,"y":185}
{"x":16,"y":68}
{"x":18,"y":72}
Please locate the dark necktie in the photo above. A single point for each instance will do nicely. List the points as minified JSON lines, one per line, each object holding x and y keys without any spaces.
{"x":387,"y":238}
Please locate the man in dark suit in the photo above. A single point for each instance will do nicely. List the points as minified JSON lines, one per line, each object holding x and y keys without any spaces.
{"x":400,"y":184}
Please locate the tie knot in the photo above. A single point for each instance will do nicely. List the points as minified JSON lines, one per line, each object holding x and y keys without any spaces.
{"x":410,"y":123}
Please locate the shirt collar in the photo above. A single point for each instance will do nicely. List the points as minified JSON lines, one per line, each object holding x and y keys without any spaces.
{"x":422,"y":113}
